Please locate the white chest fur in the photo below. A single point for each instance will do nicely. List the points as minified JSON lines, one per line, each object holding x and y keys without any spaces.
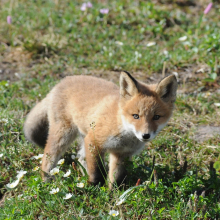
{"x":125,"y":142}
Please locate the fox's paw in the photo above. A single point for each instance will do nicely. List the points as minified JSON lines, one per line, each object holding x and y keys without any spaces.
{"x":47,"y":177}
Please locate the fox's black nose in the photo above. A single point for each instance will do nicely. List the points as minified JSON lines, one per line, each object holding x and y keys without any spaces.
{"x":146,"y":136}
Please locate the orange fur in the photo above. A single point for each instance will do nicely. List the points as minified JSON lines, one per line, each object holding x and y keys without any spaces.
{"x":104,"y":115}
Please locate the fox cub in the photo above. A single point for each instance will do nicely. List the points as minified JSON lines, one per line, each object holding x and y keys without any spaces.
{"x":119,"y":120}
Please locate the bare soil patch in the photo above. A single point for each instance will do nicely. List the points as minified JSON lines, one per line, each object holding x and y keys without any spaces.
{"x":205,"y":133}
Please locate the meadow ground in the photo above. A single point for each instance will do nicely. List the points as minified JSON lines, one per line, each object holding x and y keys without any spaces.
{"x":43,"y":41}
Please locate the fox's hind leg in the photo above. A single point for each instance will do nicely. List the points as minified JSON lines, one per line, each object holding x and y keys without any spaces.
{"x":59,"y":138}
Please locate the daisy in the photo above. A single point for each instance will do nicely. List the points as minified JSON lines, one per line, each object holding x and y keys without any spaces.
{"x":150,"y":44}
{"x":67,"y":173}
{"x":80,"y":185}
{"x":217,"y":104}
{"x":119,"y":43}
{"x":183,"y":38}
{"x":54,"y":171}
{"x":54,"y":191}
{"x":13,"y":185}
{"x":36,"y":168}
{"x":21,"y":174}
{"x":68,"y":196}
{"x":113,"y":213}
{"x":61,"y":162}
{"x":39,"y":156}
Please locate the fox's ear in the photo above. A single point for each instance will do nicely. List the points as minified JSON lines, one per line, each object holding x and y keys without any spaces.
{"x":128,"y":85}
{"x":166,"y":89}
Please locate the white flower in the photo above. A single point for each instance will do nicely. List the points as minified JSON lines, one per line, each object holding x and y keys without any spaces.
{"x":67,"y":173}
{"x":73,"y":156}
{"x":17,"y":75}
{"x":13,"y":185}
{"x":119,"y":43}
{"x":36,"y":168}
{"x":1,"y":155}
{"x":165,"y":52}
{"x":54,"y":191}
{"x":4,"y":120}
{"x":21,"y":174}
{"x":150,"y":44}
{"x":39,"y":156}
{"x":183,"y":38}
{"x":80,"y":185}
{"x":195,"y":49}
{"x":187,"y":43}
{"x":61,"y":162}
{"x":120,"y":202}
{"x":54,"y":171}
{"x":137,"y":54}
{"x":217,"y":104}
{"x":68,"y":196}
{"x":113,"y":213}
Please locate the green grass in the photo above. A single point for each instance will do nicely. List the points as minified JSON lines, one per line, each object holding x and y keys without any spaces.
{"x":48,"y":40}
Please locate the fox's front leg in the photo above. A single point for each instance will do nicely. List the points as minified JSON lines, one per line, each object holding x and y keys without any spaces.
{"x":95,"y":161}
{"x":117,"y":171}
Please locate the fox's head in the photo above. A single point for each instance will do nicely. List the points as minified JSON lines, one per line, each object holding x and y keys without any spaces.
{"x":146,"y":109}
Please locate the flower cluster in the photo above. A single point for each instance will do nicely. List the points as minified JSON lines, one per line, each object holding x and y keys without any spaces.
{"x":19,"y":176}
{"x":85,"y":6}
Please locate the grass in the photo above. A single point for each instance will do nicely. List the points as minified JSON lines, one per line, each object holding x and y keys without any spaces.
{"x":48,"y":40}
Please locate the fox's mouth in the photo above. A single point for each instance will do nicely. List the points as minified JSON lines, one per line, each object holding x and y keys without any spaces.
{"x":144,"y":140}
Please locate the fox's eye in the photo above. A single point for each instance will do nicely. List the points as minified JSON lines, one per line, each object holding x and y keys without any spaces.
{"x":156,"y":117}
{"x":136,"y":116}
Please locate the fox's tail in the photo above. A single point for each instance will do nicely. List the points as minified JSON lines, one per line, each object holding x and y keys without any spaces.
{"x":36,"y":125}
